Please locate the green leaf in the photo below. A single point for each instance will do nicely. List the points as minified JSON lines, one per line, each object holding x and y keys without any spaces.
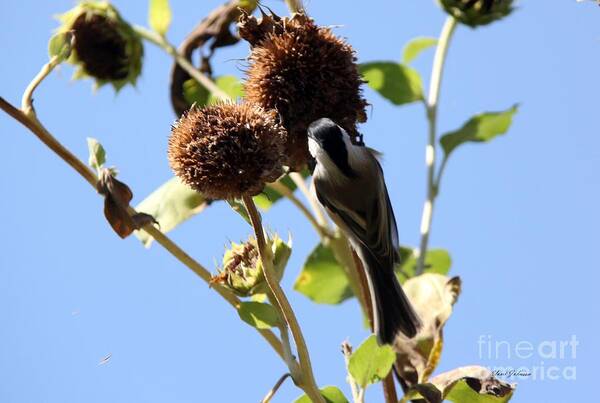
{"x":331,"y":394}
{"x":371,"y":362}
{"x":159,"y":16}
{"x":60,"y":45}
{"x":396,"y":82}
{"x":239,"y":208}
{"x":322,"y":279}
{"x":194,"y":92}
{"x":415,"y":47}
{"x":436,"y":261}
{"x":269,"y":195}
{"x":461,"y":392}
{"x":231,"y":85}
{"x":258,"y":315}
{"x":171,"y":204}
{"x":97,"y":155}
{"x":480,"y":128}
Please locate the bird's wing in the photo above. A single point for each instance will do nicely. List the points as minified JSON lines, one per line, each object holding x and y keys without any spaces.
{"x":374,"y":226}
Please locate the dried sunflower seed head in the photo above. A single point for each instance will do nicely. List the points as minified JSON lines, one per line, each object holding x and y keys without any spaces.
{"x":227,"y":151}
{"x":304,"y":72}
{"x":478,"y":12}
{"x":106,"y":47}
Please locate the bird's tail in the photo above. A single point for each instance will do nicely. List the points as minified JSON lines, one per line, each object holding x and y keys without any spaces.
{"x":393,"y":312}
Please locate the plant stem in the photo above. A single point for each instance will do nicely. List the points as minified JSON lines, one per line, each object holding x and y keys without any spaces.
{"x":275,"y":388}
{"x":41,"y":133}
{"x":354,"y":388}
{"x":281,"y":303}
{"x":285,"y":191}
{"x":197,"y":75}
{"x":27,"y":100}
{"x":431,"y":105}
{"x":314,"y":204}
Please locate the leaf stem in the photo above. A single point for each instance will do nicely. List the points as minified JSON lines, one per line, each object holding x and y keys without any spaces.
{"x":275,"y":388}
{"x":90,"y":176}
{"x":281,"y":303}
{"x":430,"y":151}
{"x":197,"y":75}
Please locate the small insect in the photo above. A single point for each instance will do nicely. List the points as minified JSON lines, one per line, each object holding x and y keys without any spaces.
{"x":106,"y":359}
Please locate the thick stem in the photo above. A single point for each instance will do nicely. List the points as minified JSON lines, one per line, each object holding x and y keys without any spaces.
{"x":27,"y":99}
{"x":430,"y":151}
{"x":281,"y":303}
{"x":197,"y":75}
{"x":36,"y":128}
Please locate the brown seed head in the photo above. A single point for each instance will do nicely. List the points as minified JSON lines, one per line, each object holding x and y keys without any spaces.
{"x":106,"y":47}
{"x":305,"y":73}
{"x":227,"y":151}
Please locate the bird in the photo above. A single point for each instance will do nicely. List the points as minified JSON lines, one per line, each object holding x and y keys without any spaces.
{"x":349,"y":184}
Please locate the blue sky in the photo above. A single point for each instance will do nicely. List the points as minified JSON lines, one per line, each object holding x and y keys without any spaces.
{"x":518,"y":215}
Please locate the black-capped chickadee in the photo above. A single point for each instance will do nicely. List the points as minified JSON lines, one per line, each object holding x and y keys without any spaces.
{"x":348,"y":182}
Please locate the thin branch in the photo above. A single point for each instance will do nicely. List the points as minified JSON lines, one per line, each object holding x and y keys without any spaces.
{"x":275,"y":388}
{"x":285,"y":191}
{"x":36,"y":128}
{"x":314,"y":204}
{"x":197,"y":75}
{"x":281,"y":303}
{"x":431,"y":105}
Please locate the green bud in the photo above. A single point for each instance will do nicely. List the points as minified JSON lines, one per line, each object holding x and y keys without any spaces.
{"x":242,"y":269}
{"x":106,"y":48}
{"x":477,"y":12}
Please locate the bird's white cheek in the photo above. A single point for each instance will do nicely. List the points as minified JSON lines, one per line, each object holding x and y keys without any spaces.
{"x":313,"y":147}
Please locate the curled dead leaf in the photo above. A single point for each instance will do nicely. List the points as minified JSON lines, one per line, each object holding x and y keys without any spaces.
{"x":117,"y":196}
{"x":433,"y":296}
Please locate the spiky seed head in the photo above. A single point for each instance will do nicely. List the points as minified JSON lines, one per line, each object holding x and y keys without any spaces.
{"x":304,"y":72}
{"x":477,"y":12}
{"x":242,"y":270}
{"x":106,"y":47}
{"x":227,"y":151}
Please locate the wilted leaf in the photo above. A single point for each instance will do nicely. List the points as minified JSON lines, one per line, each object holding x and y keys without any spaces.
{"x":436,"y":261}
{"x":432,"y":295}
{"x":159,"y":16}
{"x":97,"y":155}
{"x":396,"y":82}
{"x":322,"y":278}
{"x":171,"y":204}
{"x":117,"y":196}
{"x":331,"y":394}
{"x":60,"y":45}
{"x":480,"y":128}
{"x":370,"y":362}
{"x":471,"y":384}
{"x":258,"y":315}
{"x":415,"y":47}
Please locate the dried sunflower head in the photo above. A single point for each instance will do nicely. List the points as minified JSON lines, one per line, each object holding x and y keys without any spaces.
{"x":227,"y":151}
{"x":242,"y":269}
{"x":106,"y":47}
{"x":304,"y":72}
{"x":477,"y":12}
